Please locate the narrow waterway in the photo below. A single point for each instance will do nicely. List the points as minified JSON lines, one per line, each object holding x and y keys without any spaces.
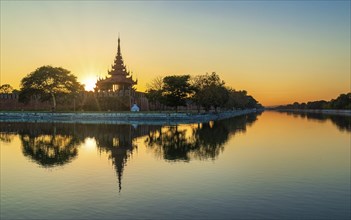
{"x":260,"y":166}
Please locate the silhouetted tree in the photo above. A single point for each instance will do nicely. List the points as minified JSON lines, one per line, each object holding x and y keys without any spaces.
{"x":49,"y":82}
{"x":6,"y":88}
{"x":155,"y":84}
{"x":209,"y":91}
{"x":154,"y":90}
{"x":343,"y":101}
{"x":175,"y":90}
{"x":240,"y":99}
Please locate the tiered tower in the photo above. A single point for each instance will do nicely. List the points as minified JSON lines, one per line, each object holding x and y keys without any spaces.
{"x":119,"y":79}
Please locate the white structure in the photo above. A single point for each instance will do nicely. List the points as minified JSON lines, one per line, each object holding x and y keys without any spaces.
{"x":135,"y":108}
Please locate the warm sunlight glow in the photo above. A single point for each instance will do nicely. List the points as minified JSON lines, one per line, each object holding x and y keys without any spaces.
{"x":89,"y":84}
{"x":276,"y":55}
{"x":89,"y":144}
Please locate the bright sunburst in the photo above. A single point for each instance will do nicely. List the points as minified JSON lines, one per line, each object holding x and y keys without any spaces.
{"x":89,"y":84}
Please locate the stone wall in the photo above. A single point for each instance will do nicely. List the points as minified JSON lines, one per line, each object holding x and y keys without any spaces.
{"x":10,"y":102}
{"x":87,"y":101}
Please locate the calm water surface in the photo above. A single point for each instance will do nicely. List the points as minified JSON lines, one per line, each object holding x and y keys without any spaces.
{"x":268,"y":166}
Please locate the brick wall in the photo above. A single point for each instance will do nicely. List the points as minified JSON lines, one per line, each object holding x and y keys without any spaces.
{"x":102,"y":101}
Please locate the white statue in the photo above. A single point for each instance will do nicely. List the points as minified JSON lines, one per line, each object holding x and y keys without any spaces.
{"x":135,"y":108}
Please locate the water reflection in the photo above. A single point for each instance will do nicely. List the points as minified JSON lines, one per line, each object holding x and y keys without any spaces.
{"x":118,"y":141}
{"x":343,"y":123}
{"x":200,"y":141}
{"x":45,"y":144}
{"x":50,"y":144}
{"x":6,"y":137}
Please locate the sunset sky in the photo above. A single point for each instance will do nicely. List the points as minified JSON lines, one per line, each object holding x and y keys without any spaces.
{"x":279,"y":51}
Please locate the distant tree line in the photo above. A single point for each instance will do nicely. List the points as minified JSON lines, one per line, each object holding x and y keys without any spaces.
{"x":205,"y":91}
{"x":343,"y":101}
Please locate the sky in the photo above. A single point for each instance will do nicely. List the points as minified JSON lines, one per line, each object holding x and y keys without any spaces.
{"x":278,"y":51}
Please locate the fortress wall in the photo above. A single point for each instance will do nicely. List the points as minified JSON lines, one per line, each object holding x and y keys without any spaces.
{"x":102,"y":101}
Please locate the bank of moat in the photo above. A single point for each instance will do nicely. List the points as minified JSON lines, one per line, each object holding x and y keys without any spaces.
{"x":121,"y":118}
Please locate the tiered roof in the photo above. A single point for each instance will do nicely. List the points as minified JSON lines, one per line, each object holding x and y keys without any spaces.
{"x":119,"y":75}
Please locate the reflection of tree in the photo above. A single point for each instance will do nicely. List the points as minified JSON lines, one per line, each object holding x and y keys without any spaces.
{"x":201,"y":141}
{"x":210,"y":139}
{"x":50,"y":150}
{"x":56,"y":144}
{"x":173,"y":143}
{"x":45,"y":144}
{"x":6,"y":138}
{"x":343,"y":123}
{"x":6,"y":134}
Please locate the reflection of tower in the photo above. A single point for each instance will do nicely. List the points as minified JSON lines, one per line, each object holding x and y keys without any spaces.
{"x":121,"y":151}
{"x":117,"y":141}
{"x":119,"y":158}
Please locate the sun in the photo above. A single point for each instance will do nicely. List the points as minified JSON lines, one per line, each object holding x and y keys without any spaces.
{"x":89,"y":83}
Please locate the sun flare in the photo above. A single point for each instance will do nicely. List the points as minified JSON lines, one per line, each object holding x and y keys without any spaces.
{"x":89,"y":83}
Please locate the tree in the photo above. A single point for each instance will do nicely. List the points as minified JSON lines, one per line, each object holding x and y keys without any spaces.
{"x":321,"y":104}
{"x":210,"y":91}
{"x":240,"y":99}
{"x":49,"y":82}
{"x":6,"y":88}
{"x":154,"y":90}
{"x":155,"y":84}
{"x":342,"y":102}
{"x":175,"y":90}
{"x":252,"y":103}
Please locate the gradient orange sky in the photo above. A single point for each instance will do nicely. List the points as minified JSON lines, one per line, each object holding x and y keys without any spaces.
{"x":279,"y":51}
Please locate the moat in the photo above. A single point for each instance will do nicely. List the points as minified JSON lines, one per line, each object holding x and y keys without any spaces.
{"x":268,"y":165}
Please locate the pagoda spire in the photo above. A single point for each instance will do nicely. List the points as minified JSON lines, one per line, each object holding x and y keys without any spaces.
{"x":119,"y":78}
{"x":119,"y":47}
{"x":118,"y":67}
